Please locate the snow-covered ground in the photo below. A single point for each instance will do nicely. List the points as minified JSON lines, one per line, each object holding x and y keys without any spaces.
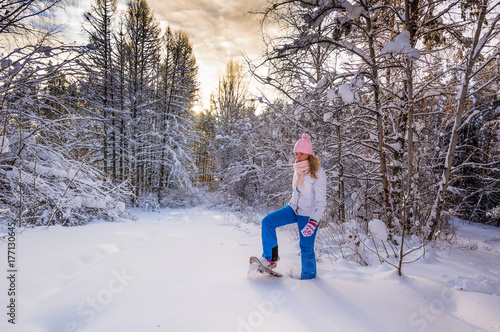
{"x":187,"y":270}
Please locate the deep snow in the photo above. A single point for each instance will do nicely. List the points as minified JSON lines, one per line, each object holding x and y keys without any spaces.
{"x":187,"y":270}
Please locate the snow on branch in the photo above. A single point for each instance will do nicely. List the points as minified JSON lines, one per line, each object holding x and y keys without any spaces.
{"x":401,"y":45}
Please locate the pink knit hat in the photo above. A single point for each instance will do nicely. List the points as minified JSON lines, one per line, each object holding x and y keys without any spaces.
{"x":303,"y":145}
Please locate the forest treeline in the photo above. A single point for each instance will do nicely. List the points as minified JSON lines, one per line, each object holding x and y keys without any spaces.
{"x":400,"y":99}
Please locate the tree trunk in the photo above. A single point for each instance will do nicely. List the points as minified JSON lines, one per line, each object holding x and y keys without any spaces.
{"x":445,"y":176}
{"x":388,"y":210}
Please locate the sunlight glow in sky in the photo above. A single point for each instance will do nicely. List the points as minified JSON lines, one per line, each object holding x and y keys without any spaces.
{"x":218,"y":30}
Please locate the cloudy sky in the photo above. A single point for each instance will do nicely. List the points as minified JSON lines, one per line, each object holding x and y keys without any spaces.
{"x":218,"y":30}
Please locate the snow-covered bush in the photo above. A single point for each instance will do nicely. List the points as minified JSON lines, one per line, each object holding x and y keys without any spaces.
{"x":367,"y":244}
{"x":494,"y":214}
{"x":42,"y":187}
{"x":4,"y":144}
{"x":343,"y":241}
{"x":180,"y":198}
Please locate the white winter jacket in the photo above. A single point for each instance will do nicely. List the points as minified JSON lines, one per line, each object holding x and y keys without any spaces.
{"x":310,"y":200}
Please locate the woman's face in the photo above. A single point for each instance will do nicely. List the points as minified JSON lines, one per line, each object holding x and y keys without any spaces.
{"x":300,"y":156}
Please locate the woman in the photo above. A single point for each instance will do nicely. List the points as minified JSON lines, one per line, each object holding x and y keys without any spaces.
{"x":305,"y":208}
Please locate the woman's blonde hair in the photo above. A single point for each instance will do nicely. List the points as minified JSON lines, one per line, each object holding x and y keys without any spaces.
{"x":314,"y":165}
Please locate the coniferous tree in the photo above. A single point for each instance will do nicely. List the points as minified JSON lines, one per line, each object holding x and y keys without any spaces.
{"x":45,"y":177}
{"x":143,"y":45}
{"x":234,"y":115}
{"x":100,"y":74}
{"x":178,"y":86}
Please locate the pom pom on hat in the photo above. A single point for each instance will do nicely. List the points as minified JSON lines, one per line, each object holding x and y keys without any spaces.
{"x":303,"y":145}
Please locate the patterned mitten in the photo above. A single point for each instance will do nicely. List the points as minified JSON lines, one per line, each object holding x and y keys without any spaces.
{"x":309,"y":228}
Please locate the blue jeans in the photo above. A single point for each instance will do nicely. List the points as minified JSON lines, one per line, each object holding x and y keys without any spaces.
{"x":286,"y":216}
